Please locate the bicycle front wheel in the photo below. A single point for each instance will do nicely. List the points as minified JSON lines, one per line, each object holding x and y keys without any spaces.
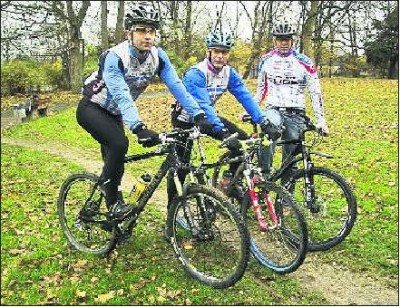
{"x":214,"y":244}
{"x":82,"y":214}
{"x":332,"y":211}
{"x":282,"y":246}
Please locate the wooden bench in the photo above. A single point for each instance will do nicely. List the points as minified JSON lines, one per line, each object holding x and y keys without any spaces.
{"x":42,"y":105}
{"x":37,"y":105}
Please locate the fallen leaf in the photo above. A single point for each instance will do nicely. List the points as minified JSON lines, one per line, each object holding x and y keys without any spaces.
{"x":102,"y":298}
{"x":80,"y":294}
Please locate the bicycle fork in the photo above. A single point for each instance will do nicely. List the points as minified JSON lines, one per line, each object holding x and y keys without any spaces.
{"x":309,"y":188}
{"x":254,"y":192}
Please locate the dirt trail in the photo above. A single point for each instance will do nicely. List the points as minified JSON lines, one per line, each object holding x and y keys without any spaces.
{"x":338,"y":285}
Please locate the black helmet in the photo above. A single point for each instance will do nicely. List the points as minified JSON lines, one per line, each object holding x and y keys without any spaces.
{"x":142,"y":14}
{"x":284,"y":28}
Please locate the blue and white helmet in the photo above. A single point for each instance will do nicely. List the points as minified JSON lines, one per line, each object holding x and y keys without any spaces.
{"x":219,"y":38}
{"x":283,"y":28}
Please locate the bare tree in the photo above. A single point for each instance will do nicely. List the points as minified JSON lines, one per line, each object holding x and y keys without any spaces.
{"x":188,"y":30}
{"x":103,"y":27}
{"x":119,"y":27}
{"x":260,"y":24}
{"x":74,"y":23}
{"x":309,"y":27}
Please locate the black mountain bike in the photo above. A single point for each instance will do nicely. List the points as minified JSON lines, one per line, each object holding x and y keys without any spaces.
{"x":327,"y":199}
{"x":213,"y":246}
{"x":278,"y":232}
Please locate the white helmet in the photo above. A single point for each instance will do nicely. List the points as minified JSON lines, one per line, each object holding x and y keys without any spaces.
{"x":284,"y":28}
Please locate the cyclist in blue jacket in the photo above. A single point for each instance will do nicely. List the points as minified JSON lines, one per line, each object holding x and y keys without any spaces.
{"x":207,"y":81}
{"x":109,"y":96}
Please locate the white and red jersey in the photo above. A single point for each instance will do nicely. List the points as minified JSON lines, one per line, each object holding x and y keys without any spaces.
{"x":282,"y":79}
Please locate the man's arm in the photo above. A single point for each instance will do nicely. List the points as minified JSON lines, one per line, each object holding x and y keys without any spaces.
{"x":119,"y":91}
{"x":262,"y":85}
{"x":176,"y":87}
{"x":243,"y":95}
{"x":314,"y":89}
{"x":195,"y":82}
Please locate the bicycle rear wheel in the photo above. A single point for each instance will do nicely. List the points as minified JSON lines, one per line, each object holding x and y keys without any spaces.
{"x":283,"y":246}
{"x":213,"y":246}
{"x":335,"y":207}
{"x":82,"y":214}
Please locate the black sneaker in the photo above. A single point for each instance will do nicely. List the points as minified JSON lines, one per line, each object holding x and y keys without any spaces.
{"x":119,"y":210}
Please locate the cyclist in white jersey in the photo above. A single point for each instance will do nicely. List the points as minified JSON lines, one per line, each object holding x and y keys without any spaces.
{"x":283,"y":75}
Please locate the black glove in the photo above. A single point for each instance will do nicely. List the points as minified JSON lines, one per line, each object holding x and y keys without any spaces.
{"x":146,"y":137}
{"x":272,"y":131}
{"x":221,"y":134}
{"x":200,"y":120}
{"x":232,"y":144}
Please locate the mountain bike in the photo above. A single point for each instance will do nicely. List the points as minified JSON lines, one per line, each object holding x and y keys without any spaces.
{"x":278,"y":232}
{"x":213,"y":247}
{"x":327,"y":199}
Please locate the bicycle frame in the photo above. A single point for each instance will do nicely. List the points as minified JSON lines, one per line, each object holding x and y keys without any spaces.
{"x":250,"y":174}
{"x":303,"y":148}
{"x":172,"y":164}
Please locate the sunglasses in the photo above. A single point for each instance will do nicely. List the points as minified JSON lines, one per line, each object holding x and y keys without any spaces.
{"x":144,"y":30}
{"x":283,"y":38}
{"x":222,"y":51}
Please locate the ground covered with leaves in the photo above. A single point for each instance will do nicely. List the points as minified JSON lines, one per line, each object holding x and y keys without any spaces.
{"x":39,"y":268}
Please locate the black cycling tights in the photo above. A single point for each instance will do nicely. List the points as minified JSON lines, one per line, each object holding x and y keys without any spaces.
{"x":184,"y":152}
{"x":108,"y":130}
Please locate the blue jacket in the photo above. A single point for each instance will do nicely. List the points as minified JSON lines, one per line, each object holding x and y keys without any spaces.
{"x":207,"y":85}
{"x":122,"y":78}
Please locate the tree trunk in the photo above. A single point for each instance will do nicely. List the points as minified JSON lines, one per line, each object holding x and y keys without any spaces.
{"x":103,"y":26}
{"x":188,"y":30}
{"x":119,"y":27}
{"x":76,"y":45}
{"x":309,"y":28}
{"x":259,"y":30}
{"x":393,"y":67}
{"x":76,"y":64}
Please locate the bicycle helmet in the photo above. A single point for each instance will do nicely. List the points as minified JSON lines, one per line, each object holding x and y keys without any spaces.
{"x":219,"y":39}
{"x":283,"y":29}
{"x":142,"y":14}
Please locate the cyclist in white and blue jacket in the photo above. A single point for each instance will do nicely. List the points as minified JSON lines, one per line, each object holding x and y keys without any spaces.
{"x":109,"y":96}
{"x":207,"y":81}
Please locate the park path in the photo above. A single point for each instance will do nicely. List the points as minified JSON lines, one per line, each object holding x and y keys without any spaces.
{"x":339,"y":285}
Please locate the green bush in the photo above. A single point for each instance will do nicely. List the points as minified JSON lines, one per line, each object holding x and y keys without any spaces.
{"x":25,"y":76}
{"x":179,"y":63}
{"x":91,"y":60}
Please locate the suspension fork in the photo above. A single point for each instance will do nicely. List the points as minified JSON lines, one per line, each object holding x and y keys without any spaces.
{"x":254,"y":199}
{"x":181,"y":193}
{"x":309,"y":187}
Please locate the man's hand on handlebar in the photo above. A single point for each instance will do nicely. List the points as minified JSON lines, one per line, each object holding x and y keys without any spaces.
{"x":322,"y":129}
{"x":146,"y":137}
{"x":271,"y":130}
{"x":200,"y":120}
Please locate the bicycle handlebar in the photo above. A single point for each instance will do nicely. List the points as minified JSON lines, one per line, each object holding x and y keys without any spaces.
{"x":171,"y":137}
{"x":310,"y":126}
